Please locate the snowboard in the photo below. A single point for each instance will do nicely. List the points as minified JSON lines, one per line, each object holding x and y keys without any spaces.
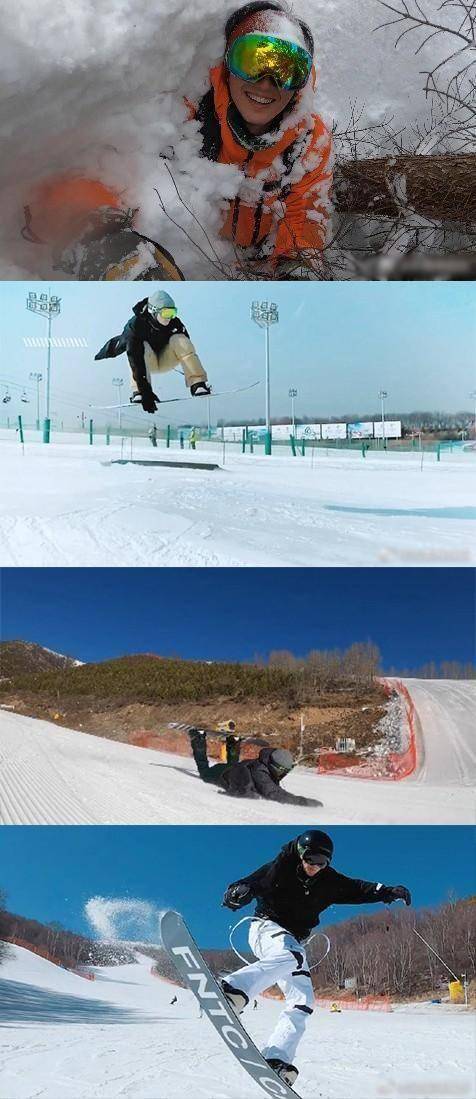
{"x":173,"y":400}
{"x":191,"y":966}
{"x":216,"y":734}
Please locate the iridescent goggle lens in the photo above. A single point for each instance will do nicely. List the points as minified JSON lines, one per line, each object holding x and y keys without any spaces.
{"x":167,"y":313}
{"x":254,"y":56}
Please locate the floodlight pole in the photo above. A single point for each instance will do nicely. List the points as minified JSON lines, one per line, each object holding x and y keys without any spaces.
{"x":264,"y":314}
{"x":473,"y":396}
{"x":49,"y":305}
{"x":383,"y":396}
{"x":119,"y":382}
{"x":293,"y":394}
{"x":36,"y":377}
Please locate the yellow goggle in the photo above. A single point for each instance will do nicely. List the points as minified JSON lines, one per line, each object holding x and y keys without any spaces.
{"x":254,"y":56}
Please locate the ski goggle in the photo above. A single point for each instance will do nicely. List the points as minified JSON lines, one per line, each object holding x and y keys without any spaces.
{"x":313,"y":859}
{"x":254,"y":56}
{"x":168,"y":312}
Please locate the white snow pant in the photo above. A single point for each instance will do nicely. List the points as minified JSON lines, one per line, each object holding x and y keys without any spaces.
{"x":178,"y":352}
{"x":282,"y":961}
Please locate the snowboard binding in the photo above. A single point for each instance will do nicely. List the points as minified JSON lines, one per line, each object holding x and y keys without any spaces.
{"x":286,"y":1072}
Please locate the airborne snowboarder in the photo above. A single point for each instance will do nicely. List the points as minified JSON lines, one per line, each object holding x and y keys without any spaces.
{"x":251,"y":778}
{"x":291,"y":892}
{"x":156,"y":341}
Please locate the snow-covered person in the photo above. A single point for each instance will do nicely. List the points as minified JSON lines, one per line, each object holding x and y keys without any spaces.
{"x":156,"y":341}
{"x":291,"y":892}
{"x":259,"y":114}
{"x":250,"y":778}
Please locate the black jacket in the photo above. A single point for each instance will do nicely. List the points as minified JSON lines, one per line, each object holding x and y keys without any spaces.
{"x":253,"y":778}
{"x":286,"y":895}
{"x":139,"y":330}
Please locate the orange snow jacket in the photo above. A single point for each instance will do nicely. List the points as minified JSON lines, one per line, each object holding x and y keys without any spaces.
{"x":290,"y":203}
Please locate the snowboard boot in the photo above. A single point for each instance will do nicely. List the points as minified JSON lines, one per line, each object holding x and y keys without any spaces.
{"x":135,"y":397}
{"x":286,"y":1072}
{"x":236,"y":999}
{"x":200,"y":389}
{"x":233,"y":744}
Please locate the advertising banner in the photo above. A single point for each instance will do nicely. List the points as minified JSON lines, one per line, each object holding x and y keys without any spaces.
{"x":393,"y":429}
{"x":362,"y":430}
{"x":334,"y":431}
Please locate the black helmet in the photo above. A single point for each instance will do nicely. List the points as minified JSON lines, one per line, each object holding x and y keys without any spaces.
{"x":280,"y":762}
{"x":314,"y":845}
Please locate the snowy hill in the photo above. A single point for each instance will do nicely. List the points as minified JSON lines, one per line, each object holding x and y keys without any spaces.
{"x":25,"y":657}
{"x":51,"y":775}
{"x":119,"y":1035}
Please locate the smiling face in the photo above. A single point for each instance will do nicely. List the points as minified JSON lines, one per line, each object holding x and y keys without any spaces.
{"x":258,"y":102}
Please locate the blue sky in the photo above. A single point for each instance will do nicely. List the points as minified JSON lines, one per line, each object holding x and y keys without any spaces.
{"x":50,"y":873}
{"x":337,"y":343}
{"x":414,"y":615}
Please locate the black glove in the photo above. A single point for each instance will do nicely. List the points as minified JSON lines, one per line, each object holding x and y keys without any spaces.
{"x":149,"y":400}
{"x":391,"y":893}
{"x":237,"y":895}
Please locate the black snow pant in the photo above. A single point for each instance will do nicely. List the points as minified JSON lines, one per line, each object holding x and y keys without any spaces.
{"x":213,"y":773}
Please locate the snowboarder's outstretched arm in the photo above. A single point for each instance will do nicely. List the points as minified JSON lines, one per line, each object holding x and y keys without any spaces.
{"x":357,"y":891}
{"x":241,"y":892}
{"x":271,"y":790}
{"x":136,"y":356}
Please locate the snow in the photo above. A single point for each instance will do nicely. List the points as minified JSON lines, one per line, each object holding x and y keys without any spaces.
{"x":446,"y":712}
{"x":67,"y":504}
{"x":97,"y":89}
{"x":51,"y":775}
{"x":119,"y":1036}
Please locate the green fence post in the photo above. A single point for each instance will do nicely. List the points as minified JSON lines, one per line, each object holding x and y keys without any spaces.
{"x":20,"y":429}
{"x":91,"y":432}
{"x":268,"y":442}
{"x":181,"y":440}
{"x":438,"y":453}
{"x":108,"y":436}
{"x":46,"y":430}
{"x":293,"y":445}
{"x":243,"y":441}
{"x":364,"y":451}
{"x":303,"y":447}
{"x":167,"y":437}
{"x":251,"y":442}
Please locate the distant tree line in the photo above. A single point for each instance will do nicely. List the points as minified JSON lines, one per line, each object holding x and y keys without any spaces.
{"x":446,"y":669}
{"x":55,"y":942}
{"x":147,"y":679}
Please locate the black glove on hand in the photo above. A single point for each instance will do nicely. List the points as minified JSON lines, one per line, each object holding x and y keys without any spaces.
{"x":149,"y":400}
{"x":391,"y":893}
{"x":237,"y":895}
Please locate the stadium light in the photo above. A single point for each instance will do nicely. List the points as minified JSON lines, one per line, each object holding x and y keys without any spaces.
{"x":264,"y":314}
{"x":45,"y":305}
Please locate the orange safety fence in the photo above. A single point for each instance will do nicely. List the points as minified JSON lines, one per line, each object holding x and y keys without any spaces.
{"x":367,"y":1003}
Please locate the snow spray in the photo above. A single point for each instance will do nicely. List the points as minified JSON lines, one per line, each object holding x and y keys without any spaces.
{"x":124,"y":919}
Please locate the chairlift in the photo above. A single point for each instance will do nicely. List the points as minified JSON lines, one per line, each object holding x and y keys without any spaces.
{"x":6,"y":398}
{"x":24,"y":398}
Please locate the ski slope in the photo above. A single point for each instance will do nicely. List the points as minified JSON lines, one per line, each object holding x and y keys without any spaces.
{"x":118,"y":1035}
{"x":446,"y":746}
{"x":66,"y":505}
{"x":51,"y":775}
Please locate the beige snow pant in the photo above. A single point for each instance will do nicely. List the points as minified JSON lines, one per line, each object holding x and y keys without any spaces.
{"x":178,"y":352}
